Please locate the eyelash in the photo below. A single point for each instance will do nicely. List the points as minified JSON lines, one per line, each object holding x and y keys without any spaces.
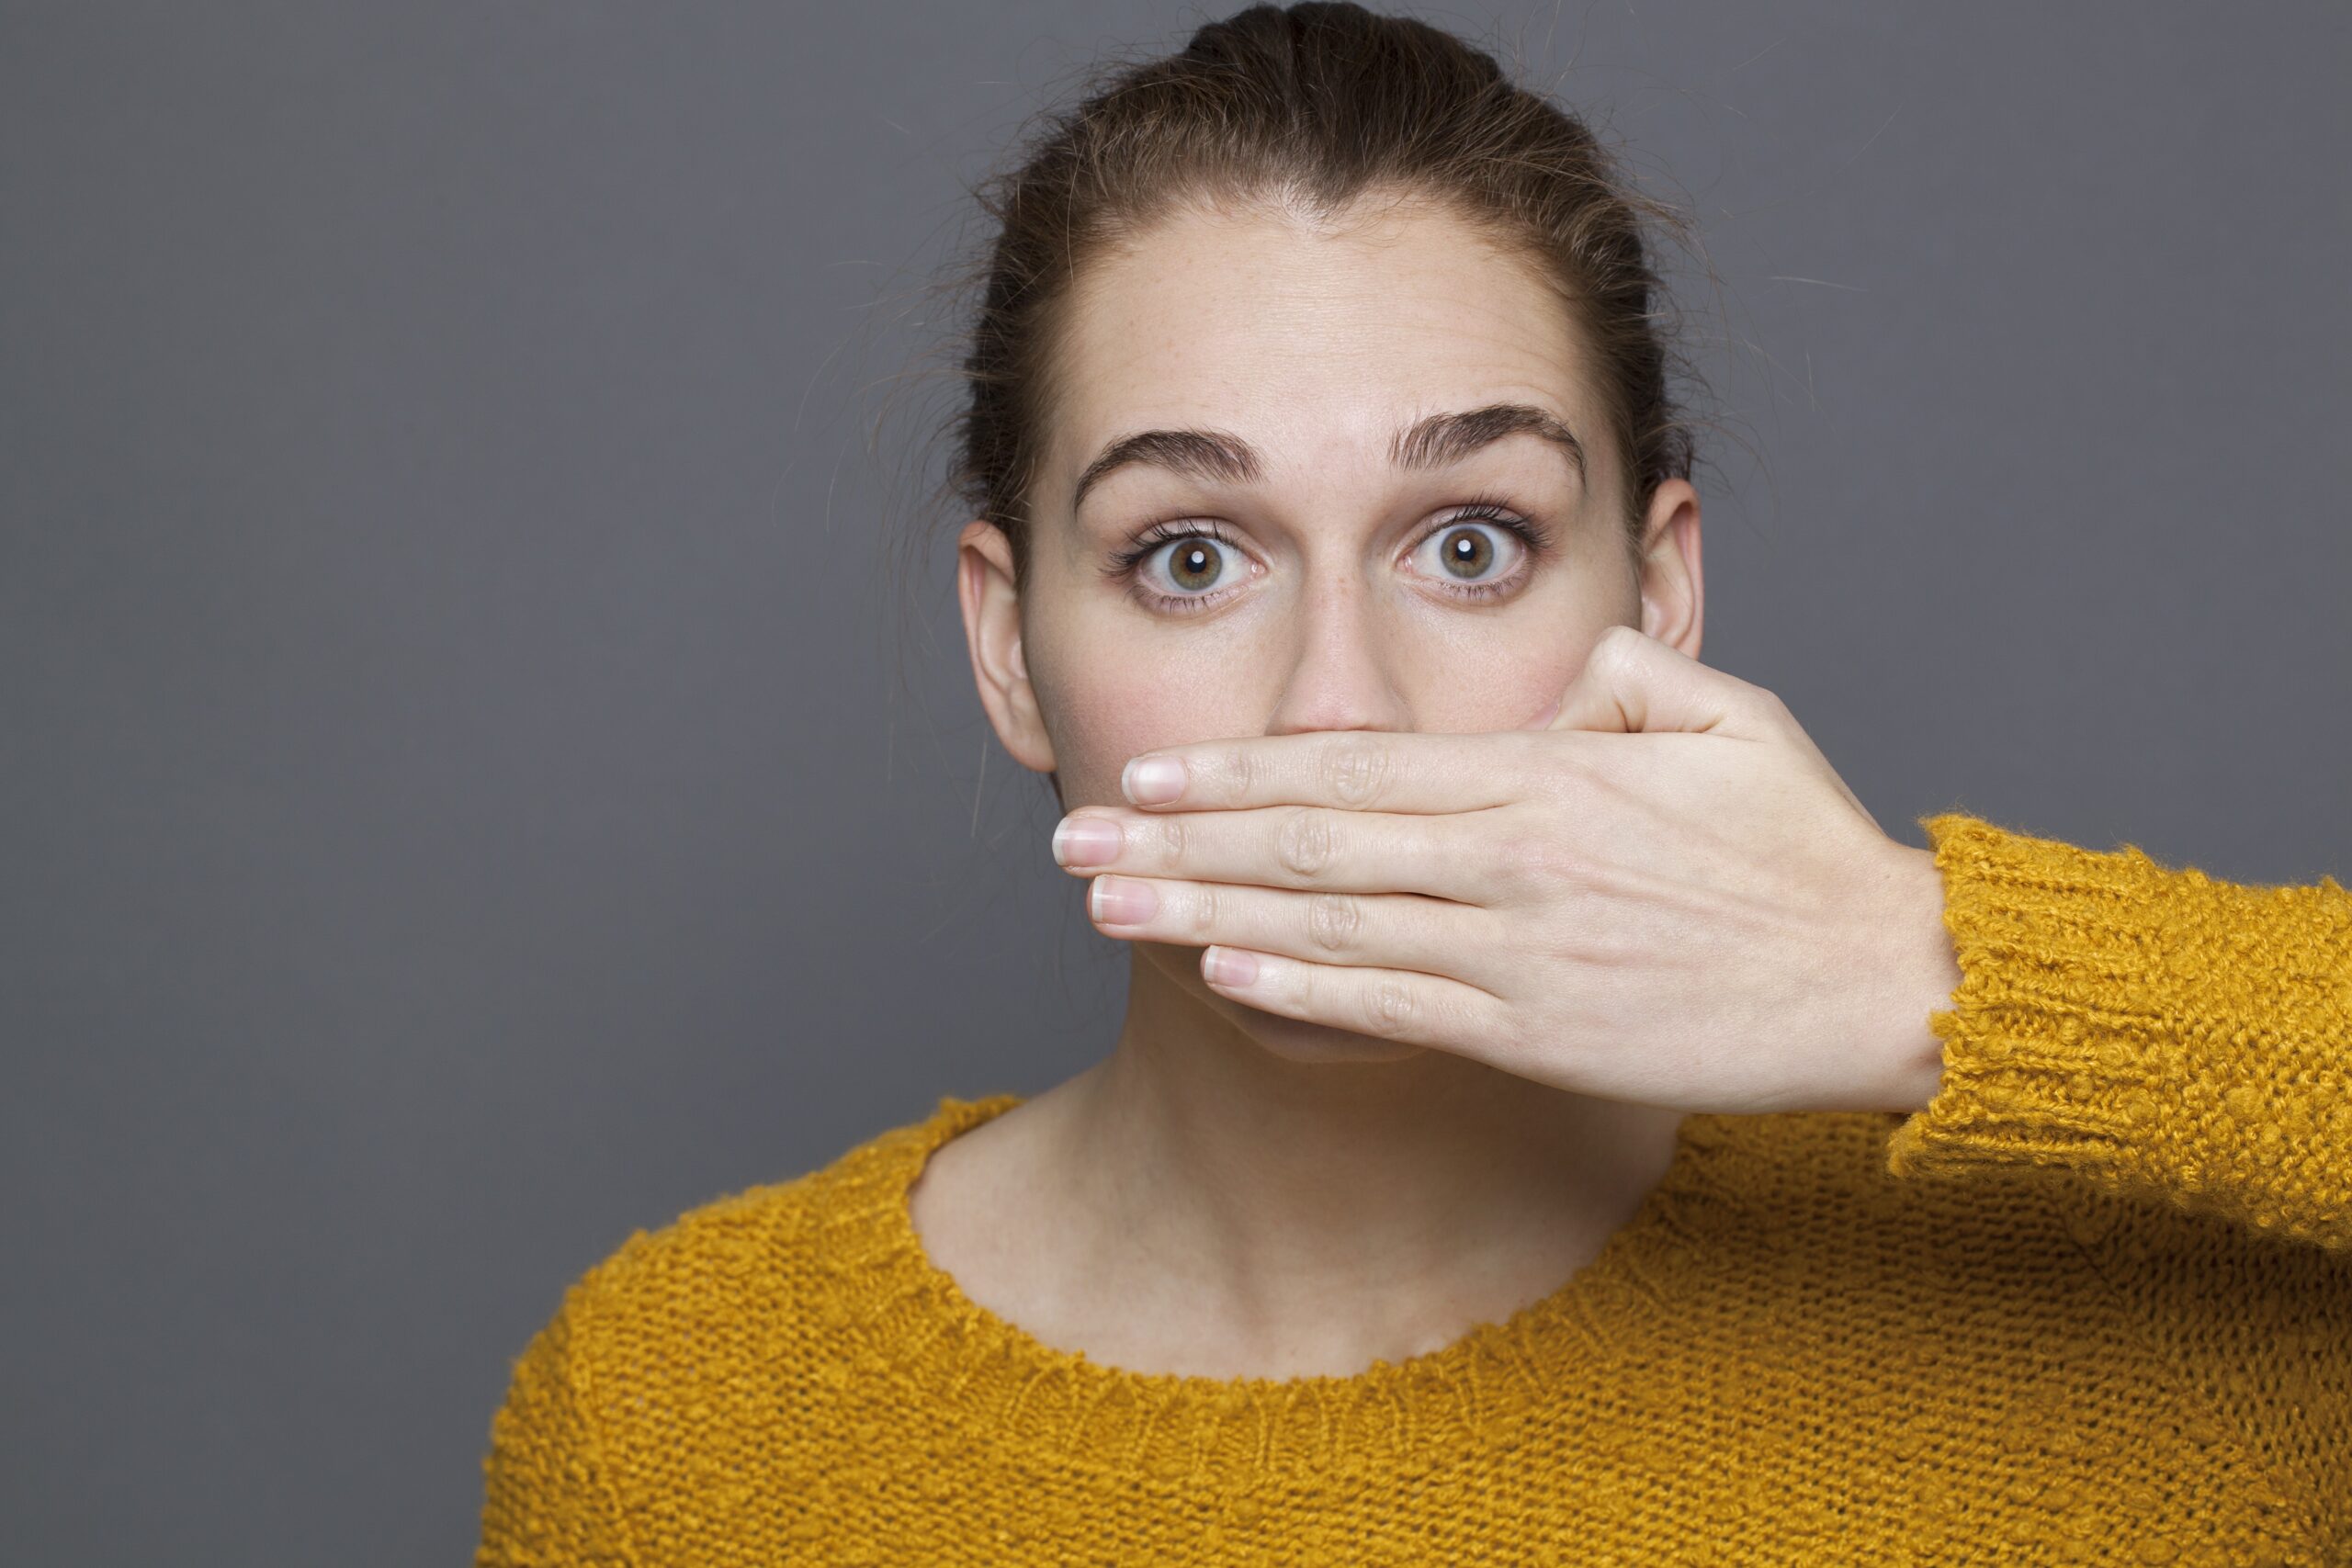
{"x":1533,"y":536}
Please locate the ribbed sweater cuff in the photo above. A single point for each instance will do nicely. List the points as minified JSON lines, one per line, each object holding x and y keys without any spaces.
{"x":2150,"y":1029}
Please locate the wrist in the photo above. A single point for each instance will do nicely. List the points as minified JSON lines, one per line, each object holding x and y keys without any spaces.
{"x":1926,"y":965}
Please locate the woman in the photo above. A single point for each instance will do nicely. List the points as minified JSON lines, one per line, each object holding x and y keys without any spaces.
{"x":1551,"y":1121}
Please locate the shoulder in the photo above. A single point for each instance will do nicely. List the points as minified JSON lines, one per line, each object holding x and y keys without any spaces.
{"x":1812,"y":1192}
{"x":743,"y":1292}
{"x":1819,"y":1186}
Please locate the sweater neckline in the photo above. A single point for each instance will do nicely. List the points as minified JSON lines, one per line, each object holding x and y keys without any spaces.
{"x":914,"y":1327}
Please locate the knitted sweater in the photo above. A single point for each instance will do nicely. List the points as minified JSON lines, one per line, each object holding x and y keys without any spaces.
{"x":2091,"y":1304}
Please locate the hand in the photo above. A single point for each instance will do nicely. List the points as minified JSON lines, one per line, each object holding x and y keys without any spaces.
{"x":1666,"y":895}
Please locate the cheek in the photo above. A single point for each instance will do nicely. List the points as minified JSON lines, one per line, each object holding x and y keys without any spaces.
{"x":1105,"y":715}
{"x":1107,"y":698}
{"x":1504,"y":673}
{"x":1507,"y":698}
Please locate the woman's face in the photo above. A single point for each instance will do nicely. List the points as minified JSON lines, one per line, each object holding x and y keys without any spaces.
{"x":1254,"y":515}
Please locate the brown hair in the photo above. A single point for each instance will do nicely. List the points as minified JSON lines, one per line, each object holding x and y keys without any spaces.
{"x":1314,"y":106}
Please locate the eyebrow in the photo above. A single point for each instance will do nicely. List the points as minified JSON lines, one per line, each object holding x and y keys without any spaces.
{"x":1430,"y":443}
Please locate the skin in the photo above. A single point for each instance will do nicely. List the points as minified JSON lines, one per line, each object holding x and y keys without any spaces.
{"x":1235,"y":1191}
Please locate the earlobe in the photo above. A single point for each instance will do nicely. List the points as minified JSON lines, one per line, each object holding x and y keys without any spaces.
{"x":992,"y":631}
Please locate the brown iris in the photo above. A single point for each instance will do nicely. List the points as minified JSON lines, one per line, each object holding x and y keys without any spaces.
{"x":1191,"y":557}
{"x":1467,"y":552}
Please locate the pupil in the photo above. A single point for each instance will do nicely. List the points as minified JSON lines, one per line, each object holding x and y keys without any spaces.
{"x":1467,"y":547}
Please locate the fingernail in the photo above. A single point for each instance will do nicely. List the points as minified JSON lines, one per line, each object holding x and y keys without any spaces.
{"x":1227,"y":967}
{"x":1153,"y":781}
{"x":1115,"y":901}
{"x":1087,"y":840}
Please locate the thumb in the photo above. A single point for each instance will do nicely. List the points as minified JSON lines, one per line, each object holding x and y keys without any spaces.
{"x":1631,"y":681}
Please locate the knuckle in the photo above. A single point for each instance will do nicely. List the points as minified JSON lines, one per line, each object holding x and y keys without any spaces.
{"x":1241,"y":775}
{"x":1389,"y":1009}
{"x":1169,"y":832}
{"x":1574,"y":784}
{"x":1531,"y":863}
{"x":1355,"y":771}
{"x":1622,"y":639}
{"x":1217,"y":777}
{"x":1621,"y":647}
{"x":1305,"y":842}
{"x":1334,"y":921}
{"x":1204,"y":901}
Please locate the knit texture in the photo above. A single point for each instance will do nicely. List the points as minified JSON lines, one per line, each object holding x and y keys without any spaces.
{"x":2092,"y":1304}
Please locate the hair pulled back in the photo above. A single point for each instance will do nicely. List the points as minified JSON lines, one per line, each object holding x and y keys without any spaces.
{"x":1312,"y":106}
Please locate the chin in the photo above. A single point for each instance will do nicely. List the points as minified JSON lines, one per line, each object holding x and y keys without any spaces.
{"x":1296,"y":1040}
{"x":1287,"y":1039}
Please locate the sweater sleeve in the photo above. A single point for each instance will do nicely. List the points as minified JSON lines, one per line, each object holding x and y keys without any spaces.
{"x":2162,"y":1035}
{"x":2179,"y":1050}
{"x":549,"y":1500}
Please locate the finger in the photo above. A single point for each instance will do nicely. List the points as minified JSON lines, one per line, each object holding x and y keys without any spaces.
{"x":1358,"y":770}
{"x":1632,"y":682}
{"x":1452,"y":856}
{"x":1400,"y":931}
{"x":1388,"y":1004}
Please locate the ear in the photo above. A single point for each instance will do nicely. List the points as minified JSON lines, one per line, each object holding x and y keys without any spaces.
{"x":992,"y":628}
{"x":1673,"y":589}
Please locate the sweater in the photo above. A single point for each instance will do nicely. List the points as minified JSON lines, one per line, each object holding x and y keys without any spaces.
{"x":2093,"y":1303}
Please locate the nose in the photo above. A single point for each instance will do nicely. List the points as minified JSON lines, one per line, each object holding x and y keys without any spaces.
{"x":1341,"y":663}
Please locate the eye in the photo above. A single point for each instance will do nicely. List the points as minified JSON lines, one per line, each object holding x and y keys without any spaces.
{"x":1478,"y":551}
{"x":1179,"y":567}
{"x":1191,"y":565}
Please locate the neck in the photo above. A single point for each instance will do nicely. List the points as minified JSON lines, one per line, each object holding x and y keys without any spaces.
{"x":1425,"y":1190}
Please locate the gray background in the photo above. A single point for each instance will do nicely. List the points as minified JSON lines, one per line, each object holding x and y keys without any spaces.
{"x":464,"y":799}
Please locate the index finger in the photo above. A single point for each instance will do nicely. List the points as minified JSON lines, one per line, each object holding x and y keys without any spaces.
{"x":1358,"y":770}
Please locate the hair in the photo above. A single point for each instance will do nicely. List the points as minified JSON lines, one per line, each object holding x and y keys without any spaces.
{"x":1313,"y":106}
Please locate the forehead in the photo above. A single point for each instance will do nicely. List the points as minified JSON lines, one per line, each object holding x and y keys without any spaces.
{"x":1315,"y":340}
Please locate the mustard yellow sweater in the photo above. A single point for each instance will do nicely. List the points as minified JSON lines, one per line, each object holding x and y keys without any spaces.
{"x":2093,"y":1305}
